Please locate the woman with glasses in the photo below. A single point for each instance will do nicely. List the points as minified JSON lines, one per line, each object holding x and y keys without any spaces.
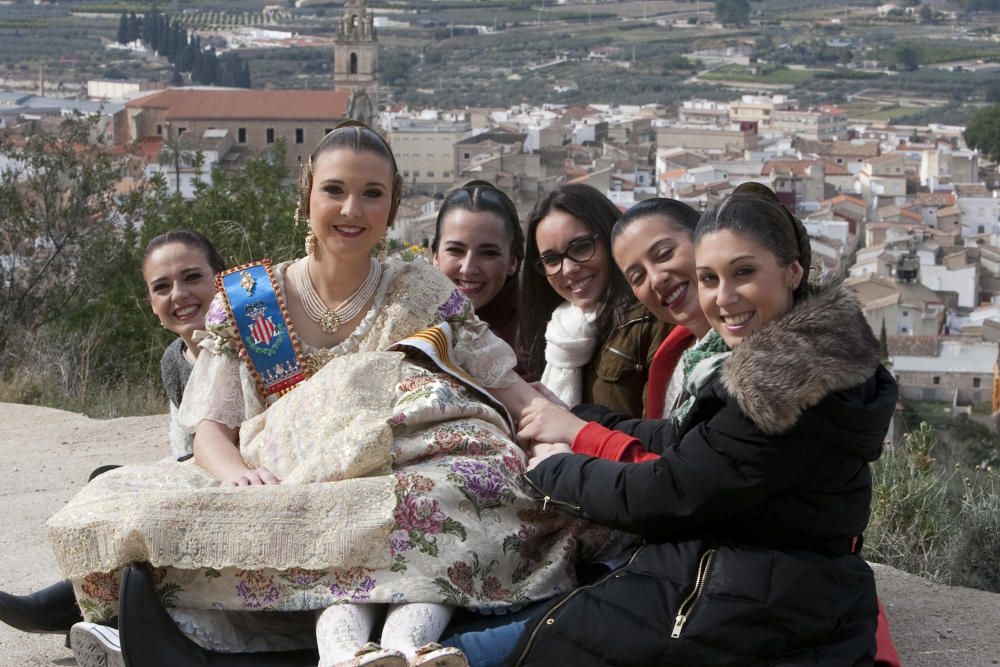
{"x":582,"y":331}
{"x":478,"y":243}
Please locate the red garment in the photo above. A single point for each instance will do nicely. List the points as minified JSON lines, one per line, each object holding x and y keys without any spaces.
{"x":661,"y":369}
{"x":885,"y":650}
{"x":602,"y":442}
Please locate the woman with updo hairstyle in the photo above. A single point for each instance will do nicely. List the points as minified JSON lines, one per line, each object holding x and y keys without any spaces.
{"x":479,"y":244}
{"x":752,"y":496}
{"x":582,"y":331}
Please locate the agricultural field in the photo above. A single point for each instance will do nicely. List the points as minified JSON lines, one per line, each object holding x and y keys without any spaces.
{"x":816,"y":50}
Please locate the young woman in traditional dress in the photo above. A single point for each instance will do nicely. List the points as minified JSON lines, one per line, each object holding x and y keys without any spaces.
{"x":350,"y":453}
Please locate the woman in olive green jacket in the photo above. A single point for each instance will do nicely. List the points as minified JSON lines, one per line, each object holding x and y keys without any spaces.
{"x":582,"y":330}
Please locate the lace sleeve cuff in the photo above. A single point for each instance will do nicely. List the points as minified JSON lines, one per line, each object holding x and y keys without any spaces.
{"x":483,"y":354}
{"x":213,"y":392}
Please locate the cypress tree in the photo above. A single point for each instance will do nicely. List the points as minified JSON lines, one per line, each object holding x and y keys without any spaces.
{"x":245,"y":75}
{"x":122,"y":36}
{"x":883,"y":341}
{"x":210,"y":67}
{"x":132,"y":27}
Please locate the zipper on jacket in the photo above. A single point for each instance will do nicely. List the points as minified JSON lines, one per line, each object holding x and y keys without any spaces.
{"x":547,"y":499}
{"x":626,"y":357}
{"x":701,"y":578}
{"x":548,"y":620}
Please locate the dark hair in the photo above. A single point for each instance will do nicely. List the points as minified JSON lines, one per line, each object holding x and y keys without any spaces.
{"x":677,"y":214}
{"x":479,"y":196}
{"x":359,"y":138}
{"x":753,"y":210}
{"x":538,"y":299}
{"x":191,"y":239}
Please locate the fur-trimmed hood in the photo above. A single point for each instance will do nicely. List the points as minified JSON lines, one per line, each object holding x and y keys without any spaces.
{"x":823,"y":345}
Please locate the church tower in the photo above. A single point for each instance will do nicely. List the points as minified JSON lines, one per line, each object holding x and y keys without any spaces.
{"x":355,"y":54}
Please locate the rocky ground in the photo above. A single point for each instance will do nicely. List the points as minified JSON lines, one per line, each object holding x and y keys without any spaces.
{"x":49,"y":453}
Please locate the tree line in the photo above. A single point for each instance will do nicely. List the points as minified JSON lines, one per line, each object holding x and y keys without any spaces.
{"x":171,"y":40}
{"x":73,"y":307}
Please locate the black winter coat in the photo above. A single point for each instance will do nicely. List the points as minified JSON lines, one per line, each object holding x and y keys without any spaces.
{"x":749,"y":517}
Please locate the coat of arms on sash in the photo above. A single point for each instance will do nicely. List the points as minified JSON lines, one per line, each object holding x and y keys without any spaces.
{"x":265,"y":335}
{"x":269,"y":343}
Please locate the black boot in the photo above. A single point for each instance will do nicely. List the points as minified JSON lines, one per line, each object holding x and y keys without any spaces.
{"x":50,"y":610}
{"x":150,"y":638}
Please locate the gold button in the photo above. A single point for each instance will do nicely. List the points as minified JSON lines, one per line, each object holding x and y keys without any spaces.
{"x":550,"y":621}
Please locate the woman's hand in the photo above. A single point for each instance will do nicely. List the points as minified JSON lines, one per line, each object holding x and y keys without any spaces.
{"x":543,"y":421}
{"x":544,"y":450}
{"x":255,"y":477}
{"x":547,"y":393}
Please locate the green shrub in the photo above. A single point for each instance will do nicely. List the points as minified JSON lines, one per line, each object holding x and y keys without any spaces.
{"x":912,"y":511}
{"x":974,"y":554}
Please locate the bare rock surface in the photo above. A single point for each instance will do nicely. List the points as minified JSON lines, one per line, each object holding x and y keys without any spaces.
{"x":48,"y":454}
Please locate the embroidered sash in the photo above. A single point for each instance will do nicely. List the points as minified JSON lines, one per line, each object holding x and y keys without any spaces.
{"x":436,"y":344}
{"x":266,"y":335}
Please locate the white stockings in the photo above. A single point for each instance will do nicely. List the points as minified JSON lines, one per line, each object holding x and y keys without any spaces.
{"x":341,"y":630}
{"x":410,"y":626}
{"x":344,"y":628}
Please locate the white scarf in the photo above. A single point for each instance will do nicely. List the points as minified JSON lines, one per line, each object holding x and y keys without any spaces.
{"x":570,"y":338}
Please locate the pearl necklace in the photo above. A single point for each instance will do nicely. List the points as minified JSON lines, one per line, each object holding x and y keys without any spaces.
{"x":330,"y":319}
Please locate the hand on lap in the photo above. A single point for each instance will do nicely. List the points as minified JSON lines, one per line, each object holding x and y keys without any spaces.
{"x":543,"y":421}
{"x":543,"y":450}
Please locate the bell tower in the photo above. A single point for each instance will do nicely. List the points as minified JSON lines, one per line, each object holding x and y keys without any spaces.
{"x":355,"y":54}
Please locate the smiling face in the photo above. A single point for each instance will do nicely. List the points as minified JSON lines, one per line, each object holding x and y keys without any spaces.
{"x":181,"y":284}
{"x":349,"y":202}
{"x":474,"y":252}
{"x":657,"y":259}
{"x":741,"y":286}
{"x":581,"y":283}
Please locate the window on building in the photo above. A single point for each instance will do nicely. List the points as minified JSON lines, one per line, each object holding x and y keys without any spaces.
{"x":354,"y":63}
{"x":416,"y":173}
{"x":906,"y":313}
{"x":430,"y":174}
{"x":270,"y":135}
{"x":159,"y":130}
{"x":936,"y":380}
{"x":241,"y":135}
{"x":982,"y":229}
{"x":466,"y":156}
{"x":181,"y":130}
{"x":447,"y":174}
{"x":976,"y":382}
{"x":299,"y":135}
{"x":406,"y":173}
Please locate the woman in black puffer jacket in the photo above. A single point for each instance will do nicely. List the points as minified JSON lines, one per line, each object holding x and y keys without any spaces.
{"x":752,"y":516}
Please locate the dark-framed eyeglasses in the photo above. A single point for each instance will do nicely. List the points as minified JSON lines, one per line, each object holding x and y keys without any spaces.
{"x":579,"y":250}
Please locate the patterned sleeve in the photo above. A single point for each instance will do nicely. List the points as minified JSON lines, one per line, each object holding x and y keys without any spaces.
{"x":483,"y":354}
{"x":221,"y":388}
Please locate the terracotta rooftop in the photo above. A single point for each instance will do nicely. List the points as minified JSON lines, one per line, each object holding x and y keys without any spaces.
{"x":913,"y":346}
{"x":849,"y":149}
{"x":188,"y":104}
{"x":971,"y":190}
{"x":797,"y":167}
{"x":938,"y":199}
{"x":842,"y":198}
